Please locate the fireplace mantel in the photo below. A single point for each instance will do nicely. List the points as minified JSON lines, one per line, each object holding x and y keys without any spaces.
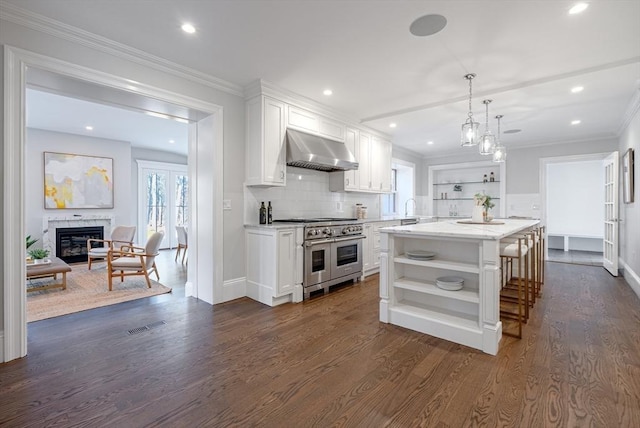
{"x":51,"y":223}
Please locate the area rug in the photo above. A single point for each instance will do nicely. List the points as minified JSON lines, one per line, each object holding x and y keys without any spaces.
{"x":86,"y":289}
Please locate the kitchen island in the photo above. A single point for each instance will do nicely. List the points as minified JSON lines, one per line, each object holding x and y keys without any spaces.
{"x":410,"y":298}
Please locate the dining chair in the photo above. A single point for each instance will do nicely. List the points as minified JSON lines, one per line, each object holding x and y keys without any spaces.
{"x":130,"y":260}
{"x":182,"y":242}
{"x":98,"y":248}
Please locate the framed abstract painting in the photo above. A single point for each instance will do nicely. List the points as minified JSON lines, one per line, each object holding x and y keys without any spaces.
{"x":77,"y":181}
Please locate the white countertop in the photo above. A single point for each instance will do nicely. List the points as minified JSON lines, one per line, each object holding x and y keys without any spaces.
{"x":278,"y":225}
{"x":457,"y":230}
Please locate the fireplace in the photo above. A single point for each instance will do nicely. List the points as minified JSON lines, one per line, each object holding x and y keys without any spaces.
{"x":71,"y":242}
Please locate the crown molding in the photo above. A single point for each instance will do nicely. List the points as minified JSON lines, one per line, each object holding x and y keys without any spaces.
{"x":43,"y":24}
{"x":264,"y":87}
{"x":630,"y":113}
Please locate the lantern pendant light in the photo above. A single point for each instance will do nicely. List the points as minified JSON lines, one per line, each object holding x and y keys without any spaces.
{"x":469,"y":135}
{"x":487,"y":141}
{"x":499,"y":151}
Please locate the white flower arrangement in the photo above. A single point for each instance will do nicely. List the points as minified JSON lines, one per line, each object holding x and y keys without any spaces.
{"x":483,"y":200}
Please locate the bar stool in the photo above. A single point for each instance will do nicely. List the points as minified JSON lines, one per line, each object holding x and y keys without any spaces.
{"x":515,"y":249}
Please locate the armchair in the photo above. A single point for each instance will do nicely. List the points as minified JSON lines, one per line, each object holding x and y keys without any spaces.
{"x":182,"y":242}
{"x":98,"y":248}
{"x":130,"y":260}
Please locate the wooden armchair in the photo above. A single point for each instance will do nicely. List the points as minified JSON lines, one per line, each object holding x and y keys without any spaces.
{"x":98,"y":248}
{"x":130,"y":260}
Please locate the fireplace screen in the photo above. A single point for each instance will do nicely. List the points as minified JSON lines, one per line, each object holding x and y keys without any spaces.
{"x":71,"y":242}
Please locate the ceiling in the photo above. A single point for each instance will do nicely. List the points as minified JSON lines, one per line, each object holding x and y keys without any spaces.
{"x":527,"y":56}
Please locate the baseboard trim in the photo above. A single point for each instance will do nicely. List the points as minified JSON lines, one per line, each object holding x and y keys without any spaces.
{"x":234,"y":289}
{"x":2,"y":356}
{"x":632,"y":278}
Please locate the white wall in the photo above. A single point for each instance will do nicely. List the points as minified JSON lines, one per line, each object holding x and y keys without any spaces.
{"x":307,"y":195}
{"x":39,"y":141}
{"x":630,"y":213}
{"x":575,"y":199}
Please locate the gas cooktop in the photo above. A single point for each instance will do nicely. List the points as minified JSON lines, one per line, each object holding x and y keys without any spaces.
{"x":313,"y":220}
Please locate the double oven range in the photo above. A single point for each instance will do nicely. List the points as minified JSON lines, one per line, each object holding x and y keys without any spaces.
{"x":332,"y":252}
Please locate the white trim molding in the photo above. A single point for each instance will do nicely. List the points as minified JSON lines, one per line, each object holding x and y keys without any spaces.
{"x":632,"y":278}
{"x":234,"y":289}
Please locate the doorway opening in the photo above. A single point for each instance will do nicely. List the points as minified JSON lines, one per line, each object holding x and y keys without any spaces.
{"x":205,"y":146}
{"x":574,"y":196}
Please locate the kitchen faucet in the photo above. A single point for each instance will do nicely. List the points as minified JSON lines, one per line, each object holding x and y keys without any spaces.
{"x":406,"y":212}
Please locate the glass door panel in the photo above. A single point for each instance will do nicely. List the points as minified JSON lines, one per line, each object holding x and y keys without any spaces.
{"x":155,"y":205}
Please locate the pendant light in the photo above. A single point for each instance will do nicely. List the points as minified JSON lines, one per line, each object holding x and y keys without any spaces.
{"x":469,"y":135}
{"x":499,"y":151}
{"x":488,"y":140}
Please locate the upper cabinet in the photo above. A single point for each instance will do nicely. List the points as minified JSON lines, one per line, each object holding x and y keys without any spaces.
{"x":374,"y":171}
{"x":267,"y":121}
{"x":266,"y":148}
{"x":306,"y":121}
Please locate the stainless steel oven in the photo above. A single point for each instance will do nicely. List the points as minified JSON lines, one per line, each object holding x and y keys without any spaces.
{"x":332,"y":255}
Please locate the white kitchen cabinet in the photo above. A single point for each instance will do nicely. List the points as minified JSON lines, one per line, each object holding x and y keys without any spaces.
{"x":381,"y":165}
{"x":274,"y":264}
{"x":371,"y":246}
{"x":374,"y":171}
{"x":347,"y":180}
{"x":265,"y":147}
{"x":453,"y":186}
{"x":307,"y":121}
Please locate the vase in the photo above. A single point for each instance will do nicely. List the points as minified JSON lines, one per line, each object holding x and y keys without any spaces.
{"x":477,"y":215}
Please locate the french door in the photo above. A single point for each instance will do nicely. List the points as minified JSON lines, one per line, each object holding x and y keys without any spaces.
{"x":163,"y":191}
{"x":610,"y":241}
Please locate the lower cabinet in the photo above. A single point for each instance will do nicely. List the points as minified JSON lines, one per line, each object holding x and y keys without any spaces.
{"x":274,"y":264}
{"x":371,"y":247}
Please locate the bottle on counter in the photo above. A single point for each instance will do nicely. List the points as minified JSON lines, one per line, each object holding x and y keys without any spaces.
{"x":269,"y":214}
{"x":263,"y":213}
{"x":364,"y":212}
{"x":492,"y":177}
{"x":359,"y":211}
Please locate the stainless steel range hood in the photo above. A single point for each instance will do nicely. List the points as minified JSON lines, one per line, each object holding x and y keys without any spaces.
{"x":313,"y":152}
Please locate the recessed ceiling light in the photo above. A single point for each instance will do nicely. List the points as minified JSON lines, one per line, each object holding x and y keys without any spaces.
{"x":188,"y":28}
{"x":428,"y":25}
{"x":577,"y":89}
{"x":171,"y":141}
{"x":577,"y":8}
{"x":89,"y":128}
{"x":327,"y":92}
{"x":430,"y":143}
{"x":575,"y":122}
{"x":392,"y":125}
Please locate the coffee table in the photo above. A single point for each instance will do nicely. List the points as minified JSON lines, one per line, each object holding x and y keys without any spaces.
{"x":52,"y":269}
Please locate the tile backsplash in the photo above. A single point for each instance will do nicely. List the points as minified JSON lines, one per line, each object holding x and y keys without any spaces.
{"x":307,"y":195}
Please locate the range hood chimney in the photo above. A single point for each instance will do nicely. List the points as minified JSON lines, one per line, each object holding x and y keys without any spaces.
{"x":313,"y":152}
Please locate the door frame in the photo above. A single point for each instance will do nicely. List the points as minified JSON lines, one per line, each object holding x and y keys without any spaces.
{"x":544,"y":162}
{"x":205,"y":153}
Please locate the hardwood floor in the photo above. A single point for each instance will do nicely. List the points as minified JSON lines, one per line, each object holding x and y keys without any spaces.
{"x":329,"y":362}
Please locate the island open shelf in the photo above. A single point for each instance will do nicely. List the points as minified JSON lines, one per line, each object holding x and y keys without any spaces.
{"x":410,"y":298}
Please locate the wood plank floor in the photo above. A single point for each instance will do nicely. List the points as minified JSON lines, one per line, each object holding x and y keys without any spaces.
{"x":329,"y":362}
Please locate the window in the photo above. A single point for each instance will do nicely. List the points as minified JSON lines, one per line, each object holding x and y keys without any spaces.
{"x":402,"y":196}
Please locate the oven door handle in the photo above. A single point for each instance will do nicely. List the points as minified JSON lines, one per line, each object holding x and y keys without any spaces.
{"x":319,"y":242}
{"x":349,"y":238}
{"x":332,"y":240}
